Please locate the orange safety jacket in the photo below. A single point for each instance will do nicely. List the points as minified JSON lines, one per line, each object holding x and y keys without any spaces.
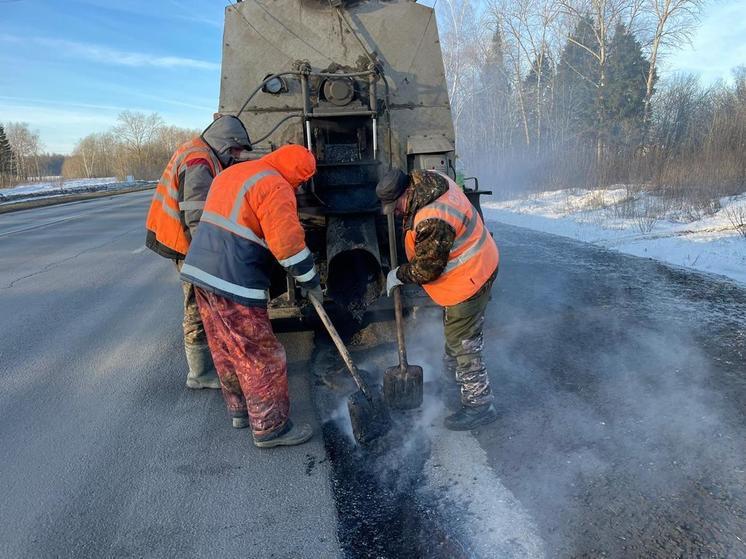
{"x":164,"y":221}
{"x":473,"y":257}
{"x":251,"y":219}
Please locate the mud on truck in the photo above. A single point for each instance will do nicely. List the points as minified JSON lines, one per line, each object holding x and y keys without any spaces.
{"x":362,"y":85}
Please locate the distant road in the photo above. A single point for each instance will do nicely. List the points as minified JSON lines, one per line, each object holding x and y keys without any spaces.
{"x":104,"y":452}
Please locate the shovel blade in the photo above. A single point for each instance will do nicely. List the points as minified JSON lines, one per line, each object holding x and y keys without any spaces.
{"x":402,"y":389}
{"x":370,"y":419}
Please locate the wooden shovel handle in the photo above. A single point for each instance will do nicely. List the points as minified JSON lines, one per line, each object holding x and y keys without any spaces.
{"x":340,"y":347}
{"x":398,"y":307}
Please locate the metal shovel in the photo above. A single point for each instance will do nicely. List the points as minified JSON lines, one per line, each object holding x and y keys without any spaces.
{"x":402,"y":384}
{"x":368,"y":413}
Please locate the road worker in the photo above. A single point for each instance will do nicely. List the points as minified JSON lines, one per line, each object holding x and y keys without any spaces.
{"x":174,"y":215}
{"x":251,"y":219}
{"x":454,"y":258}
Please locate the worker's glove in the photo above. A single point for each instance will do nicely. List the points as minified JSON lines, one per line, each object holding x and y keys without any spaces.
{"x":316,"y":292}
{"x":392,"y":281}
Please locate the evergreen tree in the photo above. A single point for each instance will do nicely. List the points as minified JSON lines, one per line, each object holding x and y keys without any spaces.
{"x":492,"y":124}
{"x":7,"y":158}
{"x":537,"y":87}
{"x":494,"y":77}
{"x":577,"y":82}
{"x":625,"y":90}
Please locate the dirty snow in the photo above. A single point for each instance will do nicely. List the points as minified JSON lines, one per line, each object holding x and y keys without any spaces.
{"x":635,"y":223}
{"x":56,"y":183}
{"x":56,"y":188}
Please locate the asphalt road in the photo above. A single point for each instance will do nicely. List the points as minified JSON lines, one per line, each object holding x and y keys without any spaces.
{"x":103,"y":451}
{"x":620,"y":384}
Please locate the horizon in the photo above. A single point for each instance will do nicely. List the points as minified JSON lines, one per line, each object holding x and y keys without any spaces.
{"x":102,"y":59}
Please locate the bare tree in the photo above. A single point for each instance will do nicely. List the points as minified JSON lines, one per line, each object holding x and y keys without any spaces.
{"x":530,"y":29}
{"x":27,"y":147}
{"x":136,"y":133}
{"x":138,"y":145}
{"x":460,"y":34}
{"x":673,"y":22}
{"x":94,"y":156}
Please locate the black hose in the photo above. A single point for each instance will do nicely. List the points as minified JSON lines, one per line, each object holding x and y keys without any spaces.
{"x":268,"y":134}
{"x":261,"y":85}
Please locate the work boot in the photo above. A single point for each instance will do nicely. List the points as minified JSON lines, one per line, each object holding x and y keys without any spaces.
{"x":291,"y":435}
{"x":468,"y":417}
{"x":202,"y":372}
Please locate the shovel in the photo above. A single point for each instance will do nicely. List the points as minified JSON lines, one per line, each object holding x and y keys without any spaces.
{"x":368,"y":413}
{"x":402,"y":384}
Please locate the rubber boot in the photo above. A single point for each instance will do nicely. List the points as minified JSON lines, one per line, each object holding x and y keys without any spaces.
{"x":290,"y":435}
{"x":468,"y":417}
{"x":202,"y":372}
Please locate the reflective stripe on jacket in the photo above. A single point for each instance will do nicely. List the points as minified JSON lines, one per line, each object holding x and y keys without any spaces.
{"x":250,"y":219}
{"x":166,"y":228}
{"x":473,"y":257}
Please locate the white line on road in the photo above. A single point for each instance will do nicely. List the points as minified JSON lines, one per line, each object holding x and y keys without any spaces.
{"x":498,"y":525}
{"x":139,"y":250}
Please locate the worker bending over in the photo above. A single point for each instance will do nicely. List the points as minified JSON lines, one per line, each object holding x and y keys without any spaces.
{"x":174,"y":214}
{"x":250,"y":219}
{"x":454,"y":258}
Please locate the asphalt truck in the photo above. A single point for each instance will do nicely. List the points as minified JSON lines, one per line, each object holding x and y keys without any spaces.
{"x":362,"y":85}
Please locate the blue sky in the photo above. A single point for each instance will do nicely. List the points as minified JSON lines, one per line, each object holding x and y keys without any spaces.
{"x":68,"y":67}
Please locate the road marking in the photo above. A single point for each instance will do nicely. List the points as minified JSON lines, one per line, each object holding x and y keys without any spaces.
{"x":497,"y":525}
{"x":139,"y":250}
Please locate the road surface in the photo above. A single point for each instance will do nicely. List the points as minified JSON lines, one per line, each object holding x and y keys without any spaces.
{"x":620,"y":384}
{"x":105,"y":453}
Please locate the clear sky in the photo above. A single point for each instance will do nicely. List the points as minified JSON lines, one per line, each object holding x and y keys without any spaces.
{"x":68,"y":67}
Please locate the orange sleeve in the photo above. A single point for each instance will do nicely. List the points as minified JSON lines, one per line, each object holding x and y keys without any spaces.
{"x":277,"y":212}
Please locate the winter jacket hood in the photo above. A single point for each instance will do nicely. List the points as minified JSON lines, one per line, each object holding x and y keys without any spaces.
{"x":295,"y":163}
{"x":224,"y":133}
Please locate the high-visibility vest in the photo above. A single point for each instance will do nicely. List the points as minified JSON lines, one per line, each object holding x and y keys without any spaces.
{"x":164,"y":216}
{"x":474,"y":256}
{"x":250,"y":219}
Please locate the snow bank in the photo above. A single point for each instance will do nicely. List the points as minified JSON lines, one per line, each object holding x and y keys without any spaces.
{"x":640,"y":224}
{"x":58,"y":188}
{"x":56,"y":183}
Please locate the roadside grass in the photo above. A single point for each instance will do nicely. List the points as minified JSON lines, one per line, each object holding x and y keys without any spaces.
{"x":737,"y":216}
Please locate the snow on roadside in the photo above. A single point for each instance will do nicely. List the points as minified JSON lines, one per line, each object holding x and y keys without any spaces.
{"x":637,"y":224}
{"x":62,"y":190}
{"x":56,"y":184}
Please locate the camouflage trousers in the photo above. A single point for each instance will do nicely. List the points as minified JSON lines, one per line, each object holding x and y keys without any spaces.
{"x":251,"y":362}
{"x":198,"y":356}
{"x":463,"y":361}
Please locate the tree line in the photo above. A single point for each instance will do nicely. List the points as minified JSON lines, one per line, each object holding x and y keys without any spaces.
{"x":21,"y":155}
{"x":138,"y":145}
{"x":550,"y":94}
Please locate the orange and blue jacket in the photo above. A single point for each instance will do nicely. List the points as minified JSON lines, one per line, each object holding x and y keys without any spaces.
{"x":251,"y":219}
